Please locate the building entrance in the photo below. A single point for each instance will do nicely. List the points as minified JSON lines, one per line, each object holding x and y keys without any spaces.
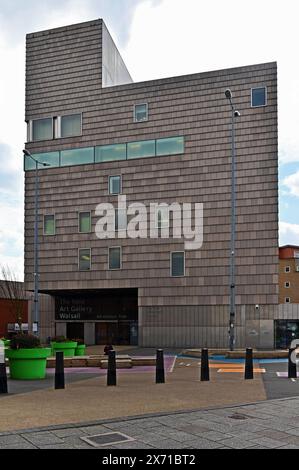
{"x":112,"y":332}
{"x":75,"y":330}
{"x":285,"y":332}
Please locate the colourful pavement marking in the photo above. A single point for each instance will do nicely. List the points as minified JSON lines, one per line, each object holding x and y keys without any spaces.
{"x":168,"y":364}
{"x":284,"y":374}
{"x":224,"y":359}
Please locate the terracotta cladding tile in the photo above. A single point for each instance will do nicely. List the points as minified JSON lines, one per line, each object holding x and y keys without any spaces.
{"x":192,"y":106}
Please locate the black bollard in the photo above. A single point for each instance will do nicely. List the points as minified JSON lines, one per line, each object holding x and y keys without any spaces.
{"x":292,"y":366}
{"x":3,"y":378}
{"x":248,"y":364}
{"x":160,"y":374}
{"x":111,"y":371}
{"x":59,"y":371}
{"x":204,"y":366}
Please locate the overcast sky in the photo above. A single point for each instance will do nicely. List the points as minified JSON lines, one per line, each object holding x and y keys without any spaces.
{"x":157,"y":38}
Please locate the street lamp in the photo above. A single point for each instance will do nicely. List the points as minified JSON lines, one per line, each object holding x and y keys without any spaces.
{"x":36,"y":273}
{"x":232,"y":309}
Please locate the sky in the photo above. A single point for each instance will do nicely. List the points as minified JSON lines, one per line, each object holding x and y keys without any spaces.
{"x":157,"y":38}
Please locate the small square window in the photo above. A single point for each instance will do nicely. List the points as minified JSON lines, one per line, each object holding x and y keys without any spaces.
{"x":178,"y":263}
{"x":114,"y":184}
{"x":258,"y":97}
{"x":287,"y":269}
{"x":287,"y":284}
{"x":114,"y":255}
{"x":140,"y":112}
{"x":49,"y":224}
{"x":84,"y":222}
{"x":85,"y":259}
{"x":287,"y":300}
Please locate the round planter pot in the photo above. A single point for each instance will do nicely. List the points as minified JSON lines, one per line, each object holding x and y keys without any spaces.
{"x":68,"y":348}
{"x":27,"y":364}
{"x":80,"y":350}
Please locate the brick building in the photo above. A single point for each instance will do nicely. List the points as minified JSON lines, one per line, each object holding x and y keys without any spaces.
{"x":8,"y":314}
{"x":163,"y":141}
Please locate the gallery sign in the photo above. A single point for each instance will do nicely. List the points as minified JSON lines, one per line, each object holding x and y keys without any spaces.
{"x":89,"y":308}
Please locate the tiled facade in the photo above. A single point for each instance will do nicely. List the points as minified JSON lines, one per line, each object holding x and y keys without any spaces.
{"x":64,"y":76}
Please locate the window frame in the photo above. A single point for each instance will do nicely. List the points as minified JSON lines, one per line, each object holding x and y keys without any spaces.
{"x":287,"y":269}
{"x":120,"y":258}
{"x":54,"y":218}
{"x":158,"y":209}
{"x":287,"y":286}
{"x":84,"y":270}
{"x":120,"y":179}
{"x":41,"y":119}
{"x":266,"y":97}
{"x":59,"y":121}
{"x":171,"y":253}
{"x":134,"y":112}
{"x":84,"y":212}
{"x":287,"y":301}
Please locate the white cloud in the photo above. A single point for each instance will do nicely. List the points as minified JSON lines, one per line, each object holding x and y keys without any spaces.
{"x":177,"y":38}
{"x":292,"y":182}
{"x":288,"y":233}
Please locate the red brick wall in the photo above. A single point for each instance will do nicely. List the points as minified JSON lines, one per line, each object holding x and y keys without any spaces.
{"x":7,"y":315}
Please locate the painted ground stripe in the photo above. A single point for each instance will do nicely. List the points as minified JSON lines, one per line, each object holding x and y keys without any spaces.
{"x":256,"y":371}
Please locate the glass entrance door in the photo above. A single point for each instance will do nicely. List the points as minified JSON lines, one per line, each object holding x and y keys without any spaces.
{"x":285,"y":332}
{"x":106,"y":332}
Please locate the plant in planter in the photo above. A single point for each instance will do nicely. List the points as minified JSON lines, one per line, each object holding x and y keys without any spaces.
{"x":6,"y":342}
{"x":67,"y":346}
{"x":81,"y":347}
{"x":27,"y":359}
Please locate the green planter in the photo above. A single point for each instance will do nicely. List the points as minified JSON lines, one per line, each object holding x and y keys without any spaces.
{"x":27,"y":364}
{"x":80,"y":350}
{"x":68,"y":348}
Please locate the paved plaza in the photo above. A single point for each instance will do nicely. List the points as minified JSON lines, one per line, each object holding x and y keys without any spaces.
{"x":226,"y":412}
{"x":266,"y":425}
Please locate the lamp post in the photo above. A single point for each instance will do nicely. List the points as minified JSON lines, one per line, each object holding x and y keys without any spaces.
{"x":36,"y":265}
{"x":232,"y":307}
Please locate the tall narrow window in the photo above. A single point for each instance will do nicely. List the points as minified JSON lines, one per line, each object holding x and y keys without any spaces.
{"x":177,"y":263}
{"x":140,"y":112}
{"x":84,"y":222}
{"x":84,"y":260}
{"x":49,"y":224}
{"x":115,"y":184}
{"x":42,"y":129}
{"x":114,"y":255}
{"x":71,"y":125}
{"x":162,"y":217}
{"x":287,"y":300}
{"x":120,"y":219}
{"x":258,"y":97}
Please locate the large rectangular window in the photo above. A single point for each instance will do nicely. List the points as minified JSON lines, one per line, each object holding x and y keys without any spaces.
{"x":51,"y":158}
{"x":77,"y":156}
{"x":84,"y":259}
{"x":71,"y":125}
{"x":114,"y":255}
{"x":49,"y":224}
{"x":177,"y":263}
{"x":115,"y":184}
{"x":42,"y":129}
{"x":170,"y":146}
{"x":110,"y":153}
{"x":141,"y":149}
{"x":84,"y":222}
